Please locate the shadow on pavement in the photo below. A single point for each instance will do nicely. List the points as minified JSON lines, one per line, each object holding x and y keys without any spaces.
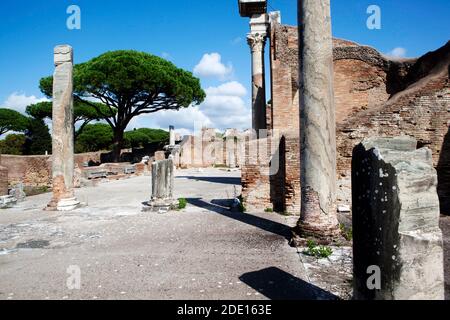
{"x":222,"y":180}
{"x":445,"y":227}
{"x":277,"y":284}
{"x":222,"y":207}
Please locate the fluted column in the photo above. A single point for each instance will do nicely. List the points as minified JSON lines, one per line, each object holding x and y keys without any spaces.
{"x":63,"y":132}
{"x":257,"y":40}
{"x":317,"y":121}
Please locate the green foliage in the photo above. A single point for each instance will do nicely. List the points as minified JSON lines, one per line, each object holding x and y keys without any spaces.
{"x":140,"y":137}
{"x":94,"y":137}
{"x":347,"y":233}
{"x":268,"y":210}
{"x":13,"y":144}
{"x":11,"y":120}
{"x":38,"y":139}
{"x":130,"y":84}
{"x":182,"y":203}
{"x":317,"y":251}
{"x":82,"y":112}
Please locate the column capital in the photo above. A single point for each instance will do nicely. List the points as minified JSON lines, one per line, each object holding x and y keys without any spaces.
{"x":63,"y":54}
{"x":256,"y":41}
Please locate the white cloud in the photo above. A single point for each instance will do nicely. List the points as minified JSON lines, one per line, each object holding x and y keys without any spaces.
{"x":225,"y":107}
{"x":398,"y":52}
{"x":232,"y":88}
{"x":19,"y":101}
{"x":211,"y":66}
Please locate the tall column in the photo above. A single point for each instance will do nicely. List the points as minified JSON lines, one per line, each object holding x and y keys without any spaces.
{"x":171,"y":136}
{"x":317,"y":121}
{"x":63,"y":132}
{"x":257,"y":40}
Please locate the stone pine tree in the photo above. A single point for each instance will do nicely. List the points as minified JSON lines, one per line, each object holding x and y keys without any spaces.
{"x":11,"y":120}
{"x":131,"y":84}
{"x":83,"y":113}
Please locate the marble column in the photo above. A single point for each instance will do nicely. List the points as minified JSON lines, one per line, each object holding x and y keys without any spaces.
{"x":63,"y":132}
{"x":171,"y":136}
{"x":257,"y":40}
{"x":317,"y":121}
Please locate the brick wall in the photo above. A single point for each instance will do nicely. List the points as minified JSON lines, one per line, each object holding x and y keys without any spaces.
{"x":373,"y":96}
{"x":35,"y":171}
{"x":3,"y":181}
{"x":270,"y":175}
{"x":423,"y":113}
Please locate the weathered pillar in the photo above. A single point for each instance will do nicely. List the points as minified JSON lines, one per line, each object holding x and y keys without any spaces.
{"x":162,"y":187}
{"x":257,"y":40}
{"x":397,"y":243}
{"x":171,"y":136}
{"x":63,"y":132}
{"x":317,"y":121}
{"x":3,"y":180}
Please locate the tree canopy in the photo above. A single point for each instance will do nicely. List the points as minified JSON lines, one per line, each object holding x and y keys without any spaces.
{"x":38,"y":139}
{"x":140,"y":137}
{"x":12,"y":144}
{"x":11,"y":120}
{"x":83,"y":113}
{"x":94,"y":137}
{"x":131,"y":83}
{"x":99,"y":136}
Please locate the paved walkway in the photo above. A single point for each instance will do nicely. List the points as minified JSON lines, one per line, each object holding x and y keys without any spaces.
{"x":202,"y":252}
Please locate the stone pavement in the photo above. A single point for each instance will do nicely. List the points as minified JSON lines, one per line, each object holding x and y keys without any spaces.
{"x":201,"y":252}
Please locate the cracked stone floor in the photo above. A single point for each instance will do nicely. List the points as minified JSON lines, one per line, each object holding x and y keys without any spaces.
{"x":201,"y":252}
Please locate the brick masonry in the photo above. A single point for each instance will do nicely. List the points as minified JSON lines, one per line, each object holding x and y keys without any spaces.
{"x":374,"y":96}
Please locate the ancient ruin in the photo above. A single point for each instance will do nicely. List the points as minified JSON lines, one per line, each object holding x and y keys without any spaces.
{"x":317,"y":122}
{"x":396,"y":221}
{"x":162,"y":187}
{"x":339,"y":190}
{"x":3,"y":180}
{"x":259,"y":22}
{"x":62,"y":132}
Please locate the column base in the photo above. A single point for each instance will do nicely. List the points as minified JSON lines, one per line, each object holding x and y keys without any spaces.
{"x":160,"y":206}
{"x":67,"y":204}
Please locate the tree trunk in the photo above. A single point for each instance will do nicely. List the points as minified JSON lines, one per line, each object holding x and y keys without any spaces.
{"x":117,"y":144}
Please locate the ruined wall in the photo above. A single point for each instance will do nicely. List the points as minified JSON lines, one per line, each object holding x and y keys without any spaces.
{"x":208,"y":149}
{"x":284,"y":79}
{"x":35,"y":171}
{"x":270,"y":175}
{"x":3,"y":180}
{"x":374,"y":95}
{"x":423,"y":114}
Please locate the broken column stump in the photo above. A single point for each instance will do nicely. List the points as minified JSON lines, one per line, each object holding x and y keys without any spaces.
{"x":162,"y":187}
{"x":396,"y":222}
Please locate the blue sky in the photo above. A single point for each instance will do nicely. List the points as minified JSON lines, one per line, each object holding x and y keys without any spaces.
{"x":183,"y":32}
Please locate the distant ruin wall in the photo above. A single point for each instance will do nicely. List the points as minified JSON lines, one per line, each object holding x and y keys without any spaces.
{"x":35,"y":171}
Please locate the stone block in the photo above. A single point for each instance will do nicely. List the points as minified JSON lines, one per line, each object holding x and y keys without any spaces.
{"x":162,"y":187}
{"x":396,"y":221}
{"x":7,"y":202}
